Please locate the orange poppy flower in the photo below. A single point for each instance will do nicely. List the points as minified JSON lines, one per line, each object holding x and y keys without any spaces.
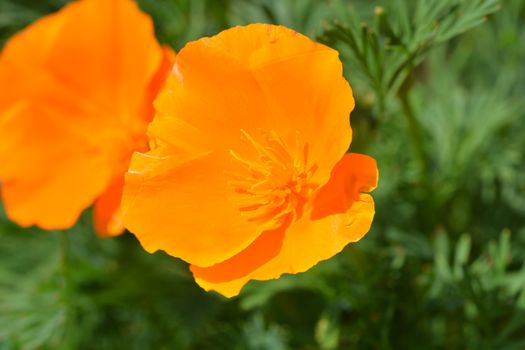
{"x":77,"y":92}
{"x":247,"y":177}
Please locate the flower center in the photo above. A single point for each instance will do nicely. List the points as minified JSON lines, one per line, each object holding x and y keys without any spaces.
{"x":271,"y":179}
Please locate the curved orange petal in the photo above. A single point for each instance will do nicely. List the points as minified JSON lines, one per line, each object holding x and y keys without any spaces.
{"x":315,"y":101}
{"x":352,"y":175}
{"x":306,"y":243}
{"x":208,"y":98}
{"x":46,"y":201}
{"x":234,"y":81}
{"x":180,"y":205}
{"x":266,"y":247}
{"x":106,"y":211}
{"x":80,"y":84}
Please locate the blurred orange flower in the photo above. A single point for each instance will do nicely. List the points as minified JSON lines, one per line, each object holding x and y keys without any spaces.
{"x":247,"y":177}
{"x":77,"y":92}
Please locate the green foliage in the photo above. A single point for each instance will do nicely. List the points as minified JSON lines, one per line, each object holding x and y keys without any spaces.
{"x":33,"y":308}
{"x":308,"y":16}
{"x":439,"y":88}
{"x":14,"y":15}
{"x":386,"y":51}
{"x":180,"y":21}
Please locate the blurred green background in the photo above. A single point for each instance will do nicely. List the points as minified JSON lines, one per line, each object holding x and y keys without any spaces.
{"x":440,"y":88}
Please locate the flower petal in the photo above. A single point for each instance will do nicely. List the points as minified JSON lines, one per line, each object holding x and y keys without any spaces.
{"x":106,"y":211}
{"x":208,"y":98}
{"x":352,"y":175}
{"x":266,"y":247}
{"x":305,"y":244}
{"x":47,"y":201}
{"x":239,"y":73}
{"x":44,"y":182}
{"x":315,"y":101}
{"x":181,"y":206}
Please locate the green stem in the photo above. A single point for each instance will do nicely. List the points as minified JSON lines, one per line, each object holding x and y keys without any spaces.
{"x":416,"y":133}
{"x":64,"y":260}
{"x":66,"y":285}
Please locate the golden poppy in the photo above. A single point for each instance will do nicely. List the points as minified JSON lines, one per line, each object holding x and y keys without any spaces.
{"x":77,"y":93}
{"x":247,"y":176}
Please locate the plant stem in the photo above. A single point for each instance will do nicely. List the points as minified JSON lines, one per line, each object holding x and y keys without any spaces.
{"x":66,"y":284}
{"x":416,"y":133}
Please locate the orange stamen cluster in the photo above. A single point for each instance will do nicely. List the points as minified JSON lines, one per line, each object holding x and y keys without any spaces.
{"x":272,"y":183}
